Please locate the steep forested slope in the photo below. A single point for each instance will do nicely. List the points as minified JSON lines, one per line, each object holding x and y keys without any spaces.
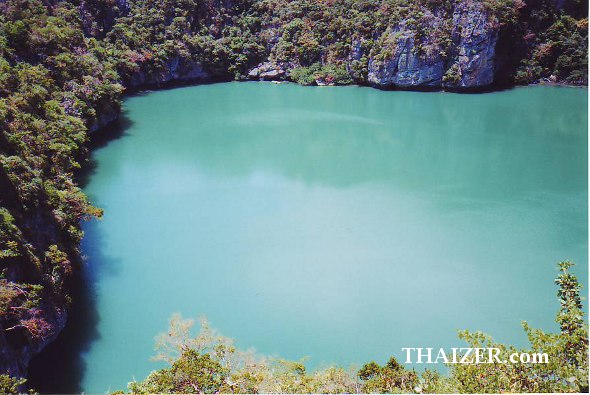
{"x":64,"y":66}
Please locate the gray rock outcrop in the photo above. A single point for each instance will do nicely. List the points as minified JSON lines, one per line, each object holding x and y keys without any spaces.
{"x":267,"y":71}
{"x":406,"y":58}
{"x":405,"y":67}
{"x":474,"y":38}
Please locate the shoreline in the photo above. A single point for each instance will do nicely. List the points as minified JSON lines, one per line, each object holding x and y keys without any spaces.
{"x":173,"y":84}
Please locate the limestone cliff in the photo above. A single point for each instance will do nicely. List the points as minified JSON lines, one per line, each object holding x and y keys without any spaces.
{"x":459,"y":53}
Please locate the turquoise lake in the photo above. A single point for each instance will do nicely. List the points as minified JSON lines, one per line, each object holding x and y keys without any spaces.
{"x":338,"y":223}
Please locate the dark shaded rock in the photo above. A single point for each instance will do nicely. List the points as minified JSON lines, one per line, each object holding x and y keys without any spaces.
{"x":99,"y":17}
{"x":17,"y":348}
{"x":106,"y":115}
{"x":176,"y":70}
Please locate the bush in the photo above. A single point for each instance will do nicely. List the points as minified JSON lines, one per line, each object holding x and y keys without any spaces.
{"x":210,"y":363}
{"x":318,"y":74}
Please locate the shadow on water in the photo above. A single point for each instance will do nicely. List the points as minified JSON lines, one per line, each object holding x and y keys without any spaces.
{"x":100,"y":140}
{"x":60,"y":367}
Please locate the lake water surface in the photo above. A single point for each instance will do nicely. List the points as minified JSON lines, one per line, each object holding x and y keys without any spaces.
{"x":337,"y":223}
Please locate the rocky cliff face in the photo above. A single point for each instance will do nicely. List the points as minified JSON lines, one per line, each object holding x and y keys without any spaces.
{"x":474,"y":36}
{"x":176,"y":69}
{"x":401,"y":65}
{"x":25,"y":332}
{"x":450,"y":46}
{"x":17,"y":348}
{"x":462,"y":58}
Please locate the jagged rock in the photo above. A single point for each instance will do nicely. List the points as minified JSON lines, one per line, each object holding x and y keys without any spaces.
{"x":406,"y":59}
{"x":323,"y":82}
{"x":177,"y":70}
{"x":267,"y":71}
{"x":406,"y":68}
{"x":357,"y":50}
{"x":106,"y":115}
{"x":252,"y":74}
{"x":271,"y":75}
{"x":474,"y":38}
{"x":17,"y":348}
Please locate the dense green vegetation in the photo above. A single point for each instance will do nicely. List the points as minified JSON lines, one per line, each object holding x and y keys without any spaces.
{"x":51,"y":87}
{"x":559,"y":47}
{"x":321,"y":39}
{"x":209,"y":363}
{"x":64,"y":66}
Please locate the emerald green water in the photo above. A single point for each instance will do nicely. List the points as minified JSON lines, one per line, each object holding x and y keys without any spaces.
{"x":337,"y":223}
